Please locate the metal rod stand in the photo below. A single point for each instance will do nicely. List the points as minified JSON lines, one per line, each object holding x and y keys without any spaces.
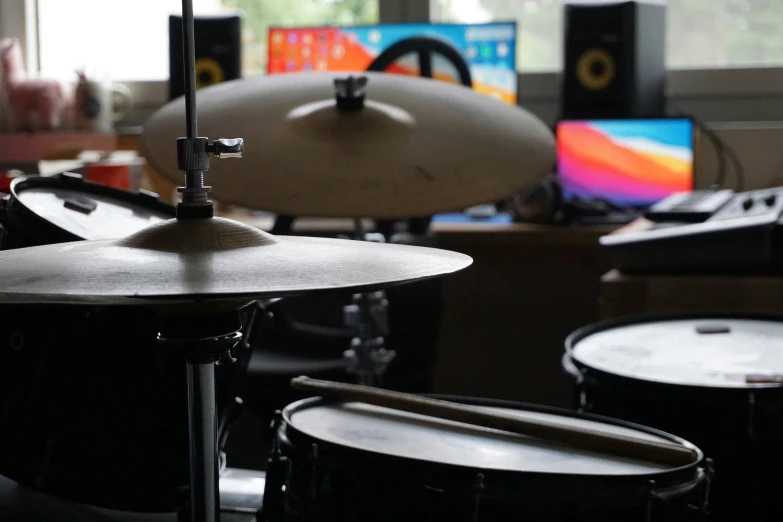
{"x":204,"y":343}
{"x":202,"y":431}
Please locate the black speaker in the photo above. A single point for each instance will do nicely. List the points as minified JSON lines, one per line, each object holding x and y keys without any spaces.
{"x":615,"y":60}
{"x":218,"y":43}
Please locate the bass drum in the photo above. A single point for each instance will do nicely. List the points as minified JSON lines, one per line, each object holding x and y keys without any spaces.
{"x":696,"y":376}
{"x":351,"y":462}
{"x":92,"y":408}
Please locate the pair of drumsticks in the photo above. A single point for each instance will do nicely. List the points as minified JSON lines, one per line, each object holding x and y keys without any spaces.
{"x":582,"y":438}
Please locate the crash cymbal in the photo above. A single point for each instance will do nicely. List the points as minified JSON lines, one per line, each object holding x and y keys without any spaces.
{"x":417,"y":147}
{"x":180,"y":261}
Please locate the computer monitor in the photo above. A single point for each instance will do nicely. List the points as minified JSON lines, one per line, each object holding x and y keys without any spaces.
{"x":489,"y":49}
{"x":633,"y":163}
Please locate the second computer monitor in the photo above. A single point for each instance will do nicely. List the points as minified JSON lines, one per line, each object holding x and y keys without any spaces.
{"x":489,"y":49}
{"x":632,"y":163}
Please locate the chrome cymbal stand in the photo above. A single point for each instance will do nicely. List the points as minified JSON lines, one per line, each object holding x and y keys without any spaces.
{"x":368,"y":357}
{"x":203,"y":340}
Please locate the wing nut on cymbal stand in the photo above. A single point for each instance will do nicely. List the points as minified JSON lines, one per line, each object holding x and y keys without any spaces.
{"x":193,"y":151}
{"x":350,"y":93}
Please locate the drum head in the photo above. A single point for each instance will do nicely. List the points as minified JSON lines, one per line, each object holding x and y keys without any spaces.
{"x":110,"y":218}
{"x":394,"y":433}
{"x":45,"y":210}
{"x":706,"y":352}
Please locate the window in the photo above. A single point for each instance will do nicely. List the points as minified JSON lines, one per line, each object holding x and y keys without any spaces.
{"x":701,"y":34}
{"x":128,"y":40}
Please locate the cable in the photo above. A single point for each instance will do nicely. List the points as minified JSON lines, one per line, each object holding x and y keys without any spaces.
{"x":722,"y":151}
{"x":739,"y":171}
{"x":717,"y":145}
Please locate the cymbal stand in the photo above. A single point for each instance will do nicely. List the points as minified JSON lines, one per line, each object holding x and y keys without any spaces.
{"x":203,"y":348}
{"x":203,"y":341}
{"x":368,"y":357}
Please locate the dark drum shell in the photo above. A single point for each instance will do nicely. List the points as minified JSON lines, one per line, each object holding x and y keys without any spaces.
{"x":329,"y":481}
{"x":92,"y":408}
{"x":739,"y":426}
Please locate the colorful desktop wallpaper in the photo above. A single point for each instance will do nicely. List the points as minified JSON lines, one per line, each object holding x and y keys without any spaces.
{"x":628,"y":162}
{"x":490,"y":50}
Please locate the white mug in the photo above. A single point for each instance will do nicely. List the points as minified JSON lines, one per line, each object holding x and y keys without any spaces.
{"x":94,"y":107}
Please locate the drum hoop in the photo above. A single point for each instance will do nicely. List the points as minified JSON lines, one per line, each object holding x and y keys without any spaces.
{"x":590,"y":372}
{"x":683,"y":475}
{"x":18,"y":216}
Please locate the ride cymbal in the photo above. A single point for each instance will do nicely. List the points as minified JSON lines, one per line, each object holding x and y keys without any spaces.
{"x":416,"y":148}
{"x":180,"y":261}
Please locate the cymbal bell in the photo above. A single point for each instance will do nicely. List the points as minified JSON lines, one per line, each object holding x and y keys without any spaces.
{"x":416,"y":148}
{"x":203,"y":260}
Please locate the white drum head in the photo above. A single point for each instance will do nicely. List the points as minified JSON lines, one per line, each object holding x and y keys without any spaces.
{"x":694,"y":352}
{"x":112,"y":218}
{"x":406,"y":435}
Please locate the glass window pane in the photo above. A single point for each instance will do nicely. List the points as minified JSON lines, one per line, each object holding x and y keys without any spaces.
{"x":128,"y":39}
{"x":700,"y":33}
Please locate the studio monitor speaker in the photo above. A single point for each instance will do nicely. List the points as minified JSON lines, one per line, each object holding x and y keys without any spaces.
{"x":615,"y":60}
{"x":218,"y":51}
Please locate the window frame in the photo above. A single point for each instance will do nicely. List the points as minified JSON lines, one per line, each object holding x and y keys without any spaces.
{"x":711,"y":94}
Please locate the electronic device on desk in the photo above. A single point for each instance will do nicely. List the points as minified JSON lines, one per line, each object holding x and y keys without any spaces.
{"x":489,"y":49}
{"x":689,"y":207}
{"x":744,"y":235}
{"x":611,"y":171}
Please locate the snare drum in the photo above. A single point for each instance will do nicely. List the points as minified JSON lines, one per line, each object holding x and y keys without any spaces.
{"x":689,"y":375}
{"x":92,"y":408}
{"x":351,"y":462}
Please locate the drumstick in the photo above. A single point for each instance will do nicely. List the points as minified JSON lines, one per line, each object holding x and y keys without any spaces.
{"x":583,"y":438}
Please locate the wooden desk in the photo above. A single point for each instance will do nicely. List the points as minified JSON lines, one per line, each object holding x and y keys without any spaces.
{"x":630,"y":295}
{"x":506,"y":316}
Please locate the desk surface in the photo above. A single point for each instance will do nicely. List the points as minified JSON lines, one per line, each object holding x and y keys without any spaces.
{"x":479,"y":231}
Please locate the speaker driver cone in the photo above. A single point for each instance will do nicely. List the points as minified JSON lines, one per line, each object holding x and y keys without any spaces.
{"x":208,"y":72}
{"x":595,"y":69}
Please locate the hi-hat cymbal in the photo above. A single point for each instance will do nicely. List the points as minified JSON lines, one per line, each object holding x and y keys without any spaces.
{"x":182,"y":261}
{"x":418,"y":147}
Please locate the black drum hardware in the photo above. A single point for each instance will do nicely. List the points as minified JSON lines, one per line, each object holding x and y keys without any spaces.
{"x":88,"y":400}
{"x":744,"y":235}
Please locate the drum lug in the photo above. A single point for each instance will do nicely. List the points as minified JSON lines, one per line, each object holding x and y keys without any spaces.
{"x":650,"y":497}
{"x":16,"y":341}
{"x":479,"y":489}
{"x":313,"y":471}
{"x":277,"y":470}
{"x":709,"y":471}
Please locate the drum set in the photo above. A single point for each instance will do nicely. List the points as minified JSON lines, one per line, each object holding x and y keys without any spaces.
{"x":129,"y":326}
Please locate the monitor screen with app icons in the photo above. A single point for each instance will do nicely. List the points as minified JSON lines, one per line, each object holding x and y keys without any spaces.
{"x":489,"y":49}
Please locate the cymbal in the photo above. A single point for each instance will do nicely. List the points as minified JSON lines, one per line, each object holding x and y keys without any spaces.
{"x":418,"y":147}
{"x":196,"y":260}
